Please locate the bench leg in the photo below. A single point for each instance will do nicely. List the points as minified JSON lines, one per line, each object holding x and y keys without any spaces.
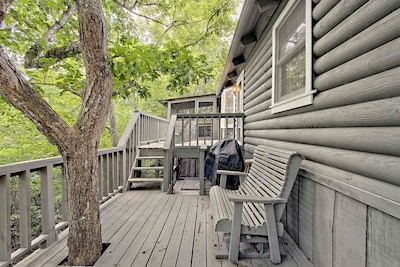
{"x":272,"y":234}
{"x":235,"y":233}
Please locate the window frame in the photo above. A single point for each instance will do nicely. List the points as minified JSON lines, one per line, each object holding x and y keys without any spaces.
{"x":305,"y":97}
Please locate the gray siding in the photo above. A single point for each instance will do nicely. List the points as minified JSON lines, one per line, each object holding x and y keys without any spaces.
{"x":346,"y":203}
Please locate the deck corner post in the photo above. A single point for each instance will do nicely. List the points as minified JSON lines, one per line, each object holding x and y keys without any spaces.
{"x":47,"y":202}
{"x":5,"y":214}
{"x":167,"y":170}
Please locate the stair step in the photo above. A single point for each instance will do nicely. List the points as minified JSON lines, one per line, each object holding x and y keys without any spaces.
{"x":159,"y":168}
{"x":139,"y":179}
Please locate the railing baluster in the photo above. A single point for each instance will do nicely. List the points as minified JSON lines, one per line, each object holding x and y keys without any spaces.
{"x":100,"y":176}
{"x":190,"y":131}
{"x":47,"y":204}
{"x":5,"y":214}
{"x":111,"y":171}
{"x":183,"y":131}
{"x":104,"y":175}
{"x":220,"y":128}
{"x":24,"y":209}
{"x":234,"y":127}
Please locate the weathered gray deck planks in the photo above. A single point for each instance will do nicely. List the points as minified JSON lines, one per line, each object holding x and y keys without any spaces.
{"x":151,"y":228}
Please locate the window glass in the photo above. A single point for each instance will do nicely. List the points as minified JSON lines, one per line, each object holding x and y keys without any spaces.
{"x":292,"y":57}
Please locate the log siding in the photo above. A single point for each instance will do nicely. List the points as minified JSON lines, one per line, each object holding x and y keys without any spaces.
{"x":345,"y":204}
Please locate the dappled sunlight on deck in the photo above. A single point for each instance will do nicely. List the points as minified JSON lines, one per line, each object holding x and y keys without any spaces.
{"x":151,"y":228}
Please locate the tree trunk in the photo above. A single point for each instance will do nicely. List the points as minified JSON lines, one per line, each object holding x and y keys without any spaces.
{"x":84,"y":240}
{"x":79,"y":144}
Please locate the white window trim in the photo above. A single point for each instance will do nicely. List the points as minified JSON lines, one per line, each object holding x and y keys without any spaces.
{"x":240,"y":82}
{"x":305,"y":98}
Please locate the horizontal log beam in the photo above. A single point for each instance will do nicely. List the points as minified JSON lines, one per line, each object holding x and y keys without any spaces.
{"x":370,"y":13}
{"x":380,"y":113}
{"x":265,"y":69}
{"x":379,"y":86}
{"x":238,"y":60}
{"x":264,"y":83}
{"x":248,"y":39}
{"x":378,"y":34}
{"x":336,"y":15}
{"x":380,"y":140}
{"x":254,"y":63}
{"x":380,"y":167}
{"x":384,"y":58}
{"x":322,"y":8}
{"x":264,"y":104}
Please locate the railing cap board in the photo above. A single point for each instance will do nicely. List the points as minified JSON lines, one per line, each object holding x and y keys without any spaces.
{"x":32,"y":165}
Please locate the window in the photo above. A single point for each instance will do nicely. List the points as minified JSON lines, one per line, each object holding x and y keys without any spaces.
{"x":232,"y":102}
{"x":292,"y":57}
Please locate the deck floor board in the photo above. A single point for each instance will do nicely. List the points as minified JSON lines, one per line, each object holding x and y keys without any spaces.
{"x":151,"y":228}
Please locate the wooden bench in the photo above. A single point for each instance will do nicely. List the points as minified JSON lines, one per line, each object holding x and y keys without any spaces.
{"x":253,"y":212}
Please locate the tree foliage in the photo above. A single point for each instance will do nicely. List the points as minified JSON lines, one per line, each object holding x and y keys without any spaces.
{"x":158,"y":49}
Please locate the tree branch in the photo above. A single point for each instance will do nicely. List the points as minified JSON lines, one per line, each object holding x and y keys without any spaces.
{"x":16,"y":89}
{"x":32,"y":55}
{"x":130,"y":10}
{"x":62,"y":87}
{"x":4,"y":6}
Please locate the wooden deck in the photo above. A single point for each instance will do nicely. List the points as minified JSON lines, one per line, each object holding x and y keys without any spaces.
{"x":151,"y":228}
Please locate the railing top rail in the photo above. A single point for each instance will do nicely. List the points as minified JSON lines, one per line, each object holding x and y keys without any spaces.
{"x":209,"y":115}
{"x":152,"y":116}
{"x":32,"y":165}
{"x":15,"y":168}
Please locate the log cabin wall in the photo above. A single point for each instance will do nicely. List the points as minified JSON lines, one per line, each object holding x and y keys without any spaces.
{"x":345,"y":208}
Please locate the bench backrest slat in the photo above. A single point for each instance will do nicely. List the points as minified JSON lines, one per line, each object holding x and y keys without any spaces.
{"x":271,"y":175}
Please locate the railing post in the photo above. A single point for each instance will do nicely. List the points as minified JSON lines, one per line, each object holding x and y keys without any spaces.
{"x":5,"y":214}
{"x":25,"y":209}
{"x":121,"y":167}
{"x":110,"y":167}
{"x":202,"y":153}
{"x":47,"y":204}
{"x":124,"y":171}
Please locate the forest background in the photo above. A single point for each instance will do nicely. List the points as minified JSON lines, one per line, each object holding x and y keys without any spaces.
{"x":158,"y":49}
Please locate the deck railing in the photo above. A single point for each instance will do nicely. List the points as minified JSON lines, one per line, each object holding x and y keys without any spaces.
{"x":16,"y":179}
{"x":198,"y":131}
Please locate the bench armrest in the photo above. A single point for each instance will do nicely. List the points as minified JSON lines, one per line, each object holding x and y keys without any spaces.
{"x":224,"y":176}
{"x":231,"y":172}
{"x":255,"y":199}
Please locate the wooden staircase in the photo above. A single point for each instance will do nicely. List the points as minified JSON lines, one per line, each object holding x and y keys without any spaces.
{"x":148,"y":167}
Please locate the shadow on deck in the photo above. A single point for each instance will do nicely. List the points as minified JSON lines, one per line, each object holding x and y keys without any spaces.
{"x":151,"y":228}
